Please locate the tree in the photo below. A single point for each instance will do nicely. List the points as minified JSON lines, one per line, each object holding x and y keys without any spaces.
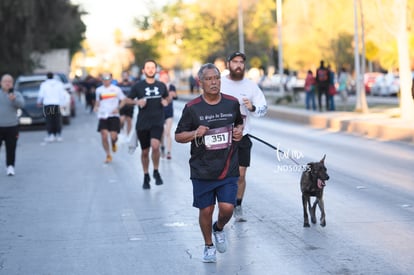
{"x":193,"y":32}
{"x":29,"y":26}
{"x":394,"y":30}
{"x":144,"y":47}
{"x":341,"y":51}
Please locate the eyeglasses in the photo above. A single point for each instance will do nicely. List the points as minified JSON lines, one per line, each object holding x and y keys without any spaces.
{"x":106,"y":78}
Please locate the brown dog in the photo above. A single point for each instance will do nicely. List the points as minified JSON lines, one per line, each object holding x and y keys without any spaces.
{"x":312,"y":184}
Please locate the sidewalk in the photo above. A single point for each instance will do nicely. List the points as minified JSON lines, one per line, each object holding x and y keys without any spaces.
{"x":380,"y":123}
{"x":380,"y":126}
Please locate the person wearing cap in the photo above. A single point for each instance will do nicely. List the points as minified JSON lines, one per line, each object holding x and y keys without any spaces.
{"x":151,"y":96}
{"x":10,"y":101}
{"x":252,"y":103}
{"x":107,"y":106}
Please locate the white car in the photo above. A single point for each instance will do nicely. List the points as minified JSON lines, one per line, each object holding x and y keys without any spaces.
{"x":386,"y":85}
{"x":29,"y":86}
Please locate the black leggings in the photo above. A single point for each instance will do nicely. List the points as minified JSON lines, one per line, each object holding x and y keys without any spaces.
{"x":10,"y":136}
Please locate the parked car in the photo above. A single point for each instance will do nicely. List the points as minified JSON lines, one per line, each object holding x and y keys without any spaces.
{"x":290,"y":83}
{"x":29,"y":86}
{"x":369,"y":80}
{"x":386,"y":85}
{"x":71,"y":89}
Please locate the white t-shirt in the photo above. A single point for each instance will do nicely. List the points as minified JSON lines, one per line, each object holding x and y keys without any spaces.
{"x":108,"y":98}
{"x":245,"y":88}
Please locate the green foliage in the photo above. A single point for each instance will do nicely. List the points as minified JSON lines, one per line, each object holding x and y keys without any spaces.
{"x":194,"y":32}
{"x":342,"y":52}
{"x":144,"y":50}
{"x":40,"y":25}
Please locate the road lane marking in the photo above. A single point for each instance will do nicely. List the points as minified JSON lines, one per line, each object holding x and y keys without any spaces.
{"x":132,"y":226}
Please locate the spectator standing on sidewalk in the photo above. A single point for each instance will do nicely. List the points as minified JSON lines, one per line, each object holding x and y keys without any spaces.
{"x":52,"y":95}
{"x":252,"y":103}
{"x":10,"y":101}
{"x":151,"y":96}
{"x":166,"y":140}
{"x":322,"y":84}
{"x":213,"y":124}
{"x":343,"y":79}
{"x":193,"y":84}
{"x":310,"y":91}
{"x":107,"y":106}
{"x":332,"y":89}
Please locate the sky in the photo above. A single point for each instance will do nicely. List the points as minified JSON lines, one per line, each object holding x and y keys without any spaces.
{"x":106,"y":16}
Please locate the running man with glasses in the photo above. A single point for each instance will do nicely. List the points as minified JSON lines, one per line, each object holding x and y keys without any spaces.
{"x":213,"y":124}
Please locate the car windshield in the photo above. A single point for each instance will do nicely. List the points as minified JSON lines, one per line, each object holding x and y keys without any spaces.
{"x":30,"y":84}
{"x":29,"y":91}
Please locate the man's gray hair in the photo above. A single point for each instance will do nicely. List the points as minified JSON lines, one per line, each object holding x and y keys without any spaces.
{"x":204,"y":67}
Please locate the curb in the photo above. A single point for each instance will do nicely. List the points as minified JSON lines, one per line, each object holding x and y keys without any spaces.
{"x":372,"y":125}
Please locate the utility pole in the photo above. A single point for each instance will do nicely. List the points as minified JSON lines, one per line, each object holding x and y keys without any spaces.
{"x":362,"y":99}
{"x":241,"y":29}
{"x":359,"y":103}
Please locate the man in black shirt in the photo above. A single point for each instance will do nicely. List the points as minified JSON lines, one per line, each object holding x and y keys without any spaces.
{"x":127,"y":111}
{"x":213,"y":124}
{"x":151,"y":96}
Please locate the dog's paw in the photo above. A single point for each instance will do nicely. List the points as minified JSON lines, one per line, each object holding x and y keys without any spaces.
{"x":313,"y":220}
{"x":323,"y":224}
{"x":306,"y":225}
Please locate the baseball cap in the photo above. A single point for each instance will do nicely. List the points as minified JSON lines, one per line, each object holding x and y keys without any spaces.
{"x":233,"y":55}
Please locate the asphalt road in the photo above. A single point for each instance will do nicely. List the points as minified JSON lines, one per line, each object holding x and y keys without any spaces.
{"x":66,"y":212}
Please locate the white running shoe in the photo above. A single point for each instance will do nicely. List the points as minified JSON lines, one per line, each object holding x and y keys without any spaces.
{"x":10,"y":170}
{"x":238,"y":214}
{"x":209,"y":255}
{"x":50,"y":138}
{"x":220,"y":238}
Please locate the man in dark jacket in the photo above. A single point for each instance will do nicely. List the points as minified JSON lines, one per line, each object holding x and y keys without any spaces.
{"x":322,"y":84}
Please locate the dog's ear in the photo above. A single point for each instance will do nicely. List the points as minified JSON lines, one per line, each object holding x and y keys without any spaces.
{"x":323,"y":159}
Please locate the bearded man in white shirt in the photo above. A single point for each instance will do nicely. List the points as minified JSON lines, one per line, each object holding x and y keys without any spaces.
{"x":252,"y":102}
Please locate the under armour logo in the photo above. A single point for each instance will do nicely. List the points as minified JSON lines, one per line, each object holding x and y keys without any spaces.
{"x":154,"y":92}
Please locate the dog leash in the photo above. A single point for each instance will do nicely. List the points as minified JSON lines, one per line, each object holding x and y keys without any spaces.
{"x":273,"y":147}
